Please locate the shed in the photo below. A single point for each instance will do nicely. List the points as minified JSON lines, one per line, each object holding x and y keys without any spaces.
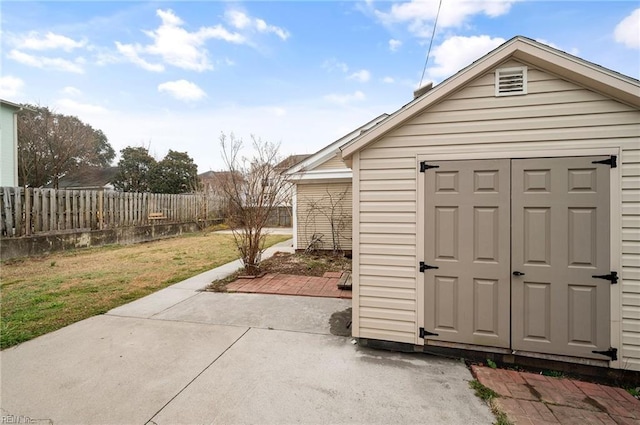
{"x":500,"y":212}
{"x":321,"y":196}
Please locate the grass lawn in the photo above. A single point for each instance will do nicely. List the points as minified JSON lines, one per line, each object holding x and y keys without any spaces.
{"x":40,"y":295}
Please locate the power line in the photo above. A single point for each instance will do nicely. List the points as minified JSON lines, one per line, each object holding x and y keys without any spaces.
{"x":435,"y":24}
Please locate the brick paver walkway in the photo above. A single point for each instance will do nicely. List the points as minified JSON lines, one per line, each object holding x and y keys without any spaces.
{"x":529,"y":398}
{"x":287,"y":284}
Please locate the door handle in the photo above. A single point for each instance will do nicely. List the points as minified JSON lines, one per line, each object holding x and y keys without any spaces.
{"x":518,"y":274}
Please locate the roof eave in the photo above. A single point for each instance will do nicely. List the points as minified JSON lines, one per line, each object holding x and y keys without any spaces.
{"x":333,"y":148}
{"x":610,"y":83}
{"x":440,"y":91}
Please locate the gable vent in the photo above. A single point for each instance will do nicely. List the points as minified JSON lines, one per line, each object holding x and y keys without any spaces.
{"x":511,"y":81}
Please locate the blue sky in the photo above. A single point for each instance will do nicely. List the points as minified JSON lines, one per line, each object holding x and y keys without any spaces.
{"x":175,"y":74}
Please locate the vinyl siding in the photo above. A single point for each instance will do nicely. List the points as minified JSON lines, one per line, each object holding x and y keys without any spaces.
{"x":334,"y":163}
{"x":8,"y":146}
{"x":631,"y":258}
{"x":555,"y":114}
{"x":314,"y":207}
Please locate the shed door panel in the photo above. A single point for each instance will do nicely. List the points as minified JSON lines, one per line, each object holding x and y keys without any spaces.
{"x":560,"y":222}
{"x":547,"y":218}
{"x":467,"y":296}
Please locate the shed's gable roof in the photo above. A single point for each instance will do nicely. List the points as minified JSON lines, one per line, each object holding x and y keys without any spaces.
{"x":594,"y":77}
{"x":329,"y":151}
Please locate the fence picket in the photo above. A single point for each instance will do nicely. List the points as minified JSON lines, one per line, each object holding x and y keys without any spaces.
{"x":8,"y":211}
{"x":28,"y":217}
{"x":18,"y":211}
{"x":67,"y":209}
{"x":30,"y":211}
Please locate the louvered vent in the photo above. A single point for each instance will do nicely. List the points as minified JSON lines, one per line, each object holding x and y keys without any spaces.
{"x":511,"y":81}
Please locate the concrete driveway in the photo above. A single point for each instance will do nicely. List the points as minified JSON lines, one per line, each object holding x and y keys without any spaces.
{"x":185,"y":357}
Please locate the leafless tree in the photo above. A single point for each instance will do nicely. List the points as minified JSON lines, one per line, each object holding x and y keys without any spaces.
{"x":331,"y":207}
{"x":254,"y":188}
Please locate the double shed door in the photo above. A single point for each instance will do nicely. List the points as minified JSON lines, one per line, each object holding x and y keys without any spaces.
{"x":514,"y":245}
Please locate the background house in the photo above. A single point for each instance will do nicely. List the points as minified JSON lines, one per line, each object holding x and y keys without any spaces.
{"x":500,"y":212}
{"x":322,"y":196}
{"x":9,"y":143}
{"x":89,"y":178}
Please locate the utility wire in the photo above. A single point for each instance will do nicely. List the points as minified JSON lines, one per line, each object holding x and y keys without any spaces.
{"x":435,"y":24}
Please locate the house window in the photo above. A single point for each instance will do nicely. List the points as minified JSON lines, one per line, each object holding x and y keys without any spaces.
{"x":511,"y":81}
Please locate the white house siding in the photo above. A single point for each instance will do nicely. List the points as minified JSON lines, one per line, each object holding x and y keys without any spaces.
{"x":335,"y":163}
{"x":8,"y":146}
{"x":310,"y":220}
{"x":555,"y":114}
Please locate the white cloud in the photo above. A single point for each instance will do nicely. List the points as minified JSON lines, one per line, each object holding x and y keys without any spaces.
{"x":277,"y":111}
{"x":10,"y":86}
{"x":574,"y":51}
{"x":72,"y":107}
{"x":182,"y":90}
{"x":50,"y":41}
{"x":177,"y":46}
{"x":457,"y":52}
{"x":627,"y":31}
{"x":334,"y":64}
{"x":130,"y":52}
{"x":242,"y":21}
{"x":58,"y":64}
{"x":71,"y":91}
{"x":361,"y":76}
{"x":388,"y":80}
{"x":343,"y":99}
{"x":420,"y":15}
{"x":394,"y":44}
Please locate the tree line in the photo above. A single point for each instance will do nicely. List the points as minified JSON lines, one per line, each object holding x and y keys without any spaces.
{"x":52,"y":145}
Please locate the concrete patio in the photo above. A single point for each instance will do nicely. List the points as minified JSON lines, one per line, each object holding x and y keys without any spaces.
{"x":180,"y":356}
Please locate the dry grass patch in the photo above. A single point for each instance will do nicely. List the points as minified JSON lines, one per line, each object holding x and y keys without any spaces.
{"x":43,"y":294}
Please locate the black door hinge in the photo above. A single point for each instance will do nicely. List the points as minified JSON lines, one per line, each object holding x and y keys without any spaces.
{"x":612,"y":161}
{"x":424,"y":166}
{"x":424,"y":333}
{"x":424,"y":267}
{"x":611,"y":277}
{"x":611,"y":352}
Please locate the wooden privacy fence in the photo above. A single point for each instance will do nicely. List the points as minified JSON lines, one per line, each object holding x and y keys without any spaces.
{"x":26,"y":212}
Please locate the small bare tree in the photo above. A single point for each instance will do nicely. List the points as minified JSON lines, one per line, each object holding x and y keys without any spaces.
{"x":332,"y":208}
{"x":254,"y":188}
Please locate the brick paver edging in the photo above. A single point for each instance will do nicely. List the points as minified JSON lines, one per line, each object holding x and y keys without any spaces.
{"x":287,"y":284}
{"x":529,"y":398}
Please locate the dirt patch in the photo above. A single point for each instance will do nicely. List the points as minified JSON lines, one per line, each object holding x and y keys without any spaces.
{"x":305,"y":264}
{"x":300,"y":264}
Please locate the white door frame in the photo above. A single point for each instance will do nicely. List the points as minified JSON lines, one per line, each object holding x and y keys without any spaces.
{"x":615,"y":225}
